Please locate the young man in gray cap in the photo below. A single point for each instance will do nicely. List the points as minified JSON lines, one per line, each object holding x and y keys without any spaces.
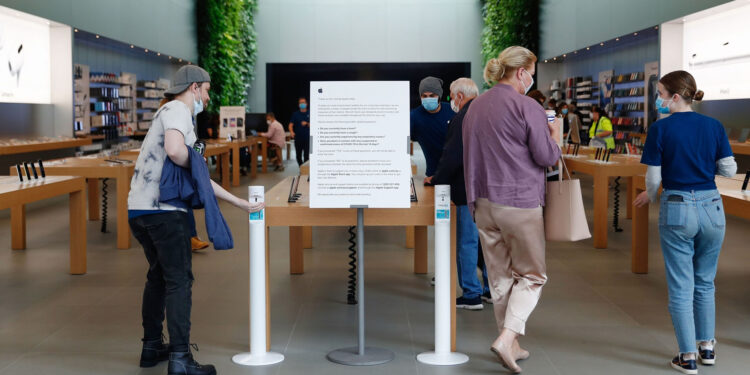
{"x":164,"y":230}
{"x":429,"y":121}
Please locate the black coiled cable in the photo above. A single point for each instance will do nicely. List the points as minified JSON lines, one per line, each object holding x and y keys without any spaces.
{"x":616,"y":219}
{"x":351,"y":296}
{"x":104,"y":205}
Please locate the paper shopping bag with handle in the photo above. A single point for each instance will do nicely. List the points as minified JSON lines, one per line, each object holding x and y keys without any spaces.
{"x":564,"y":216}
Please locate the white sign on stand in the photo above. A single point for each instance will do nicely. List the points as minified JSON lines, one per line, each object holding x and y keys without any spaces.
{"x":359,"y":144}
{"x":232,"y":122}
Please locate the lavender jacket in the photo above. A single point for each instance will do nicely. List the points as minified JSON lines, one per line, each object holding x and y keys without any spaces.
{"x":506,"y":149}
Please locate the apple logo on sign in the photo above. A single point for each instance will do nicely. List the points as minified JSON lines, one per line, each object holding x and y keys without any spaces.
{"x":320,"y":91}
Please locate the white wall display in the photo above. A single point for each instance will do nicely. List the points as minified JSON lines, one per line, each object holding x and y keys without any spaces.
{"x":359,"y":144}
{"x":714,"y":46}
{"x":24,"y":58}
{"x":232,"y":122}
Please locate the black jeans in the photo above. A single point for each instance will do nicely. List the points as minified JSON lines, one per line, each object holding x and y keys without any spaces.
{"x":165,"y":238}
{"x":302,"y":148}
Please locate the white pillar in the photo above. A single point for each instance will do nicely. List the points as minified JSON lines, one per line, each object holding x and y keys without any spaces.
{"x":258,"y":356}
{"x":442,"y":354}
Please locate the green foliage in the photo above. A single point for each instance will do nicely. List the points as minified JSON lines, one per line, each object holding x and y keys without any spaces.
{"x":508,"y":23}
{"x":227,"y":48}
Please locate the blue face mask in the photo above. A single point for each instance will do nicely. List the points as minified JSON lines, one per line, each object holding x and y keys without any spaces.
{"x":430,"y":104}
{"x":659,"y":103}
{"x":197,"y":106}
{"x":565,"y":111}
{"x":302,"y":105}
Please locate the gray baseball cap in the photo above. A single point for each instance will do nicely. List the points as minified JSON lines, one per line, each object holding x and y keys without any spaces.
{"x":185,"y":76}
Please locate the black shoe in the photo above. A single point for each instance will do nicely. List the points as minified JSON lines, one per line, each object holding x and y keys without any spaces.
{"x":487,"y":298}
{"x":469,"y":303}
{"x":707,"y":356}
{"x":685,"y":366}
{"x":182,"y":363}
{"x":154,"y":351}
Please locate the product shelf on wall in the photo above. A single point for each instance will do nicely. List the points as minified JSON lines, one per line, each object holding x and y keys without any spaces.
{"x":81,"y":106}
{"x":149,"y":94}
{"x":626,"y":109}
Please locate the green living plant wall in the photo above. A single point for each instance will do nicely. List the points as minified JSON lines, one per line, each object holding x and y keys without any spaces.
{"x":227,"y":49}
{"x":509,"y":23}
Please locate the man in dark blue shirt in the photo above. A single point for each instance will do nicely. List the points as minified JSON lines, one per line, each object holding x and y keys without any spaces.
{"x":429,"y":122}
{"x":299,"y":129}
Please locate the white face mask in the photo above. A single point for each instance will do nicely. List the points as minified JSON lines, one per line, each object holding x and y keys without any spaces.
{"x":454,"y":106}
{"x":527,"y":88}
{"x":269,"y":122}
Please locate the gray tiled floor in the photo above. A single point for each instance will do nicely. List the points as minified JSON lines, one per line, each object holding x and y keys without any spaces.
{"x":595,"y":317}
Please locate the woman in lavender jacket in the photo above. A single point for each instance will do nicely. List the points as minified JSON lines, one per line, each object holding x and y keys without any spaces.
{"x":508,"y":144}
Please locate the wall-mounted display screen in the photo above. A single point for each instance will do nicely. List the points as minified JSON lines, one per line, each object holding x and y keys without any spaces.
{"x":24,"y":58}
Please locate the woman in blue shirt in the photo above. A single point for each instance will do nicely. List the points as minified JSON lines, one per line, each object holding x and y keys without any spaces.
{"x":684,"y":152}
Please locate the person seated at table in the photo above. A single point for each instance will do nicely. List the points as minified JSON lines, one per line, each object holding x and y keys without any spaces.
{"x":276,"y":140}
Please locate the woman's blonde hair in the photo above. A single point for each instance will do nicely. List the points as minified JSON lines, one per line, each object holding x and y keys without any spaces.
{"x":509,"y":60}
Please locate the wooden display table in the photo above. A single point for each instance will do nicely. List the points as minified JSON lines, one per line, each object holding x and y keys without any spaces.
{"x":263,"y":143}
{"x":15,"y":195}
{"x":740,"y":148}
{"x":94,"y":169}
{"x":220,"y":150}
{"x":735,"y":203}
{"x":236,"y":145}
{"x":40,"y":145}
{"x":618,"y":166}
{"x":298,"y":215}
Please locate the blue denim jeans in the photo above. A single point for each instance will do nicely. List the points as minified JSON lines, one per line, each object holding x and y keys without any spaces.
{"x":467,"y":255}
{"x":691,"y":227}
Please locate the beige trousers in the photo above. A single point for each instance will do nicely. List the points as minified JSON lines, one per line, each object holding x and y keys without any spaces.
{"x":513,"y":247}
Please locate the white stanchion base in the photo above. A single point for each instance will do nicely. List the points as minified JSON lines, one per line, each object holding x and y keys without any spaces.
{"x":442,"y":359}
{"x":265,"y":359}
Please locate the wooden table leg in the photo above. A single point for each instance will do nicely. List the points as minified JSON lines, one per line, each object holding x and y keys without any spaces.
{"x":264,"y":152}
{"x":420,"y":250}
{"x":307,"y":237}
{"x":123,"y":229}
{"x":254,"y":160}
{"x":18,"y":227}
{"x":225,"y":170}
{"x":93,"y":193}
{"x":235,"y":165}
{"x":410,"y":237}
{"x":296,"y":254}
{"x":77,"y":208}
{"x":639,"y":242}
{"x":629,"y":200}
{"x":601,"y":195}
{"x":454,"y":278}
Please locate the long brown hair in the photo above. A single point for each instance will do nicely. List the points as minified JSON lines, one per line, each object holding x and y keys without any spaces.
{"x":683,"y":84}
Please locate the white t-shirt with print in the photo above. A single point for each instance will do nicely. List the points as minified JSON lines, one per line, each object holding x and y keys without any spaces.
{"x":144,"y":187}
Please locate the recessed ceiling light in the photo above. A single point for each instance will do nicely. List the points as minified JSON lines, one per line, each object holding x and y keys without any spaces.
{"x":146,"y":50}
{"x":656,"y":27}
{"x":554,"y":58}
{"x":635,"y":33}
{"x":97,"y":37}
{"x":170,"y":57}
{"x":132,"y":46}
{"x":601,"y":44}
{"x":617,"y":39}
{"x":575,"y":52}
{"x":564,"y":55}
{"x":158,"y":54}
{"x":545,"y":60}
{"x":75,"y":30}
{"x":588,"y":48}
{"x":180,"y":60}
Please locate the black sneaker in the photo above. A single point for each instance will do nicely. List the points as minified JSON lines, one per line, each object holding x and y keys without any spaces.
{"x":707,"y":356}
{"x":182,"y":363}
{"x":469,"y":303}
{"x":487,"y":298}
{"x":685,"y":366}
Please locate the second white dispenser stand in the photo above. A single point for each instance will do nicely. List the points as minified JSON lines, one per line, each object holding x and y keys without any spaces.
{"x":442,"y":355}
{"x":258,"y":355}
